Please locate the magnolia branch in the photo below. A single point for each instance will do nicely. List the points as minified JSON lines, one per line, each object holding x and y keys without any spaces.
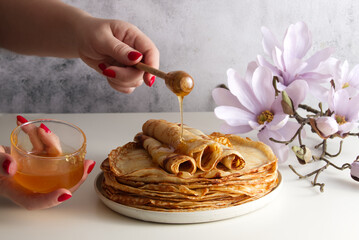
{"x":302,"y":152}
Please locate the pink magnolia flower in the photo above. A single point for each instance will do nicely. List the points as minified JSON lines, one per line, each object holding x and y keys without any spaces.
{"x":345,"y":114}
{"x":289,"y":64}
{"x":250,"y":104}
{"x":343,"y":77}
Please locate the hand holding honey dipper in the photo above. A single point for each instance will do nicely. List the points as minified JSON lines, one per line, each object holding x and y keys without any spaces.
{"x":44,"y":141}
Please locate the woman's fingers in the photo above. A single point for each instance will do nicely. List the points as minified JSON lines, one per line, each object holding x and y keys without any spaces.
{"x":121,"y":78}
{"x":41,"y":138}
{"x":88,"y":167}
{"x":50,"y":140}
{"x":20,"y":195}
{"x":34,"y":201}
{"x":31,"y":131}
{"x":121,"y":52}
{"x":114,"y":48}
{"x":7,"y":164}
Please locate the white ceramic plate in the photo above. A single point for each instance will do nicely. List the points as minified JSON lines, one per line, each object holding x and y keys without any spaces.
{"x":187,"y":217}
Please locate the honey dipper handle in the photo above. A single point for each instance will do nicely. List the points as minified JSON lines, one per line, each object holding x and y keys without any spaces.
{"x":154,"y":71}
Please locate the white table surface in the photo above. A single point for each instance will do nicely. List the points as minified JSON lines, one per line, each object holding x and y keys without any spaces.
{"x":299,"y":211}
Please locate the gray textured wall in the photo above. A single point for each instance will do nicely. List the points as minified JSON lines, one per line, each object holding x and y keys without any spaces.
{"x":202,"y":37}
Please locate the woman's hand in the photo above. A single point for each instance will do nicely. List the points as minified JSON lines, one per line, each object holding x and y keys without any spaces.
{"x":54,"y":28}
{"x":111,"y":47}
{"x":25,"y":198}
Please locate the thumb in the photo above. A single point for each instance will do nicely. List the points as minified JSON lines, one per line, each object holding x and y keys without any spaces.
{"x":122,"y":53}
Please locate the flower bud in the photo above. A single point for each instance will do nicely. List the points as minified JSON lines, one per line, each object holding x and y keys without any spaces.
{"x":287,"y":104}
{"x":303,"y":154}
{"x":327,"y":125}
{"x":324,"y":126}
{"x":354,"y":170}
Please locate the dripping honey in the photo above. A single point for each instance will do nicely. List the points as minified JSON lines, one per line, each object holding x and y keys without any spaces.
{"x":180,"y":101}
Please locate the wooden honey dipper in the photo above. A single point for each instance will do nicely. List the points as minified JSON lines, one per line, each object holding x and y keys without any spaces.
{"x":179,"y":82}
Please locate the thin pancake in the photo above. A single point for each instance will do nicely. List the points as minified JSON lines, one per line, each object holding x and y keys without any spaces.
{"x":164,"y":156}
{"x":206,"y":152}
{"x":230,"y":158}
{"x":132,"y":177}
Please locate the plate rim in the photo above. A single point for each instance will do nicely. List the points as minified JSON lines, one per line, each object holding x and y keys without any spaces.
{"x":187,"y":217}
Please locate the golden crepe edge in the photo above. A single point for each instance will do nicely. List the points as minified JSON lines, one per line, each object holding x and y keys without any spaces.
{"x":151,"y":188}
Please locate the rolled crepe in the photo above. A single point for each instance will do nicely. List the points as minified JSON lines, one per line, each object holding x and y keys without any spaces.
{"x":230,"y":158}
{"x":206,"y":152}
{"x":165,"y":156}
{"x":132,"y":178}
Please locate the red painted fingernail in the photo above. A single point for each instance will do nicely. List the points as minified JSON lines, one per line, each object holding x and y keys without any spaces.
{"x":21,"y":119}
{"x":91,"y":167}
{"x":47,"y":130}
{"x":152,"y":81}
{"x":102,"y":66}
{"x":134,"y":55}
{"x":6,"y":165}
{"x":109,"y":73}
{"x":64,"y":197}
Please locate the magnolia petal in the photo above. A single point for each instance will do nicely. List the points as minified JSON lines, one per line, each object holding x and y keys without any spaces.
{"x":225,"y":128}
{"x":331,"y":66}
{"x":296,"y":44}
{"x":242,"y":90}
{"x":353,"y":114}
{"x":290,"y":129}
{"x":280,"y":150}
{"x":263,"y":87}
{"x":279,"y":120}
{"x":314,"y":61}
{"x":347,"y":127}
{"x":276,"y":107}
{"x":352,"y":91}
{"x":223,"y":96}
{"x":255,"y":125}
{"x":262,"y":62}
{"x":303,"y":39}
{"x":289,"y":46}
{"x":277,"y":57}
{"x":314,"y":77}
{"x":353,"y":77}
{"x":287,"y":78}
{"x":234,"y":116}
{"x":294,"y":66}
{"x":331,"y":102}
{"x":342,"y":104}
{"x":251,"y":67}
{"x":280,"y":84}
{"x":319,"y":92}
{"x":345,"y":69}
{"x":269,"y":41}
{"x":297,"y":91}
{"x":327,"y":126}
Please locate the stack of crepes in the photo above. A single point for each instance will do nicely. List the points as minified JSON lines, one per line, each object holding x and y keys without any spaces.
{"x":159,"y":171}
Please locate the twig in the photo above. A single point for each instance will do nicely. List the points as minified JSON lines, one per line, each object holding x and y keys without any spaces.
{"x":320,"y":144}
{"x":320,"y":170}
{"x":337,"y":154}
{"x":308,"y":108}
{"x":292,"y":139}
{"x":344,"y":166}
